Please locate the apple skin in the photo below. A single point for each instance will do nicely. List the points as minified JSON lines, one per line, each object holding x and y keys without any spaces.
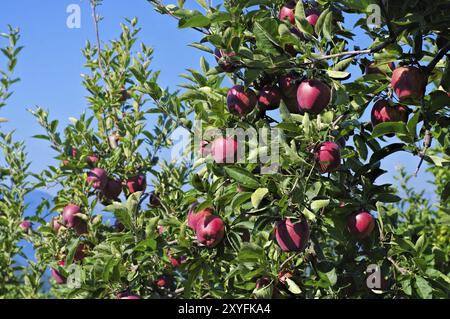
{"x":312,"y":15}
{"x":241,"y":101}
{"x":25,"y":226}
{"x":55,"y":224}
{"x":60,"y":279}
{"x":80,"y":253}
{"x":128,"y":296}
{"x":383,"y":112}
{"x":224,"y":150}
{"x":313,"y":96}
{"x":328,"y":157}
{"x":210,"y":230}
{"x":284,"y":275}
{"x":162,"y":281}
{"x":269,"y":98}
{"x":205,"y":148}
{"x":113,"y":189}
{"x":292,"y":237}
{"x":288,"y":85}
{"x":287,"y":12}
{"x":118,"y":226}
{"x":226,"y":66}
{"x":91,"y":160}
{"x":154,"y":200}
{"x":360,"y":224}
{"x":137,"y":183}
{"x":176,"y":261}
{"x":70,"y":220}
{"x":408,"y":83}
{"x":194,"y":218}
{"x":98,"y":178}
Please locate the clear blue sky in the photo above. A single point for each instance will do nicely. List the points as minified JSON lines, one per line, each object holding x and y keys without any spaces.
{"x":51,"y":64}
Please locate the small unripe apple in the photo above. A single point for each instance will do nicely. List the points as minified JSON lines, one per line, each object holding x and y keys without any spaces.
{"x":313,"y":96}
{"x":328,"y":157}
{"x":210,"y":230}
{"x":137,"y":183}
{"x":60,"y":279}
{"x":223,"y":61}
{"x":408,"y":83}
{"x":98,"y":178}
{"x":70,"y":219}
{"x":224,"y":150}
{"x":112,"y":189}
{"x":269,"y":97}
{"x":290,"y":236}
{"x":193,"y":217}
{"x":241,"y":101}
{"x":312,"y":15}
{"x":360,"y":224}
{"x":25,"y":226}
{"x":287,"y":12}
{"x":383,"y":112}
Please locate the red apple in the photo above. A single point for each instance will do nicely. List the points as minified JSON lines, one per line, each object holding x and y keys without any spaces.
{"x":137,"y":183}
{"x":124,"y":95}
{"x":193,"y":217}
{"x":25,"y":226}
{"x":408,"y":83}
{"x":98,"y":178}
{"x":288,"y":85}
{"x":224,"y":62}
{"x":269,"y":97}
{"x":328,"y":157}
{"x":154,"y":200}
{"x":160,"y":229}
{"x":383,"y":112}
{"x":161,"y":281}
{"x":312,"y":15}
{"x":118,"y":226}
{"x":80,"y":253}
{"x":287,"y":12}
{"x":60,"y":279}
{"x":55,"y":224}
{"x":360,"y":224}
{"x":176,"y":261}
{"x":284,"y":275}
{"x":92,"y":160}
{"x":70,"y":220}
{"x":313,"y":96}
{"x":210,"y":230}
{"x":224,"y":150}
{"x":241,"y":101}
{"x":292,"y":237}
{"x":112,"y":189}
{"x":127,"y":295}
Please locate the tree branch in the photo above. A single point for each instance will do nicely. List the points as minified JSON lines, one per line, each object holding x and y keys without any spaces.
{"x":437,"y":58}
{"x":97,"y":35}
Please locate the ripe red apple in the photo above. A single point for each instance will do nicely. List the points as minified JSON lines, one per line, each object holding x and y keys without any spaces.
{"x":154,"y":200}
{"x":193,"y":217}
{"x":223,"y":61}
{"x":360,"y":224}
{"x":55,"y":224}
{"x":284,"y":275}
{"x":60,"y":279}
{"x":162,"y":281}
{"x":160,"y":229}
{"x":383,"y":112}
{"x":210,"y":230}
{"x":25,"y":226}
{"x":313,"y":96}
{"x":137,"y":183}
{"x":176,"y":261}
{"x":112,"y":189}
{"x":328,"y":157}
{"x":287,"y":12}
{"x":127,"y":295}
{"x":292,"y":237}
{"x":224,"y":150}
{"x":408,"y":83}
{"x":288,"y":85}
{"x":92,"y":160}
{"x":269,"y":97}
{"x":241,"y":101}
{"x":70,"y":219}
{"x":312,"y":15}
{"x":98,"y":178}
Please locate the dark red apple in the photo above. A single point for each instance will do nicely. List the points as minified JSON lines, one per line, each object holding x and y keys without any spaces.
{"x":25,"y":226}
{"x":154,"y":200}
{"x":112,"y":189}
{"x":287,"y":12}
{"x":328,"y":157}
{"x":269,"y":97}
{"x":60,"y":279}
{"x":224,"y":150}
{"x":193,"y":217}
{"x":284,"y":275}
{"x":118,"y":226}
{"x":137,"y":183}
{"x":360,"y":224}
{"x":124,"y":95}
{"x":127,"y":295}
{"x":223,"y":60}
{"x":312,"y":15}
{"x":408,"y":83}
{"x":80,"y":253}
{"x":241,"y":101}
{"x":176,"y":261}
{"x":70,"y":220}
{"x":210,"y":230}
{"x":313,"y":96}
{"x":290,"y":236}
{"x":288,"y":85}
{"x":382,"y":112}
{"x":98,"y":178}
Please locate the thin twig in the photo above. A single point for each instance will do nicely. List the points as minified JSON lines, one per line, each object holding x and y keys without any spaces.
{"x":97,"y":35}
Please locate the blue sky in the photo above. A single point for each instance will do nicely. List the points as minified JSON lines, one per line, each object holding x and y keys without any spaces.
{"x":51,"y":64}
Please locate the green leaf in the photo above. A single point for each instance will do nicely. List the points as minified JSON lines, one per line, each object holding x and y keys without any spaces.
{"x":292,"y":286}
{"x":265,"y":32}
{"x":328,"y":26}
{"x":420,"y":244}
{"x":250,"y":253}
{"x":242,"y":177}
{"x":300,"y":19}
{"x":423,"y":288}
{"x":386,"y":151}
{"x":445,"y":195}
{"x":338,"y":75}
{"x":406,"y":286}
{"x":319,"y":204}
{"x":258,"y":196}
{"x":385,"y":128}
{"x":197,"y":21}
{"x":361,"y":146}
